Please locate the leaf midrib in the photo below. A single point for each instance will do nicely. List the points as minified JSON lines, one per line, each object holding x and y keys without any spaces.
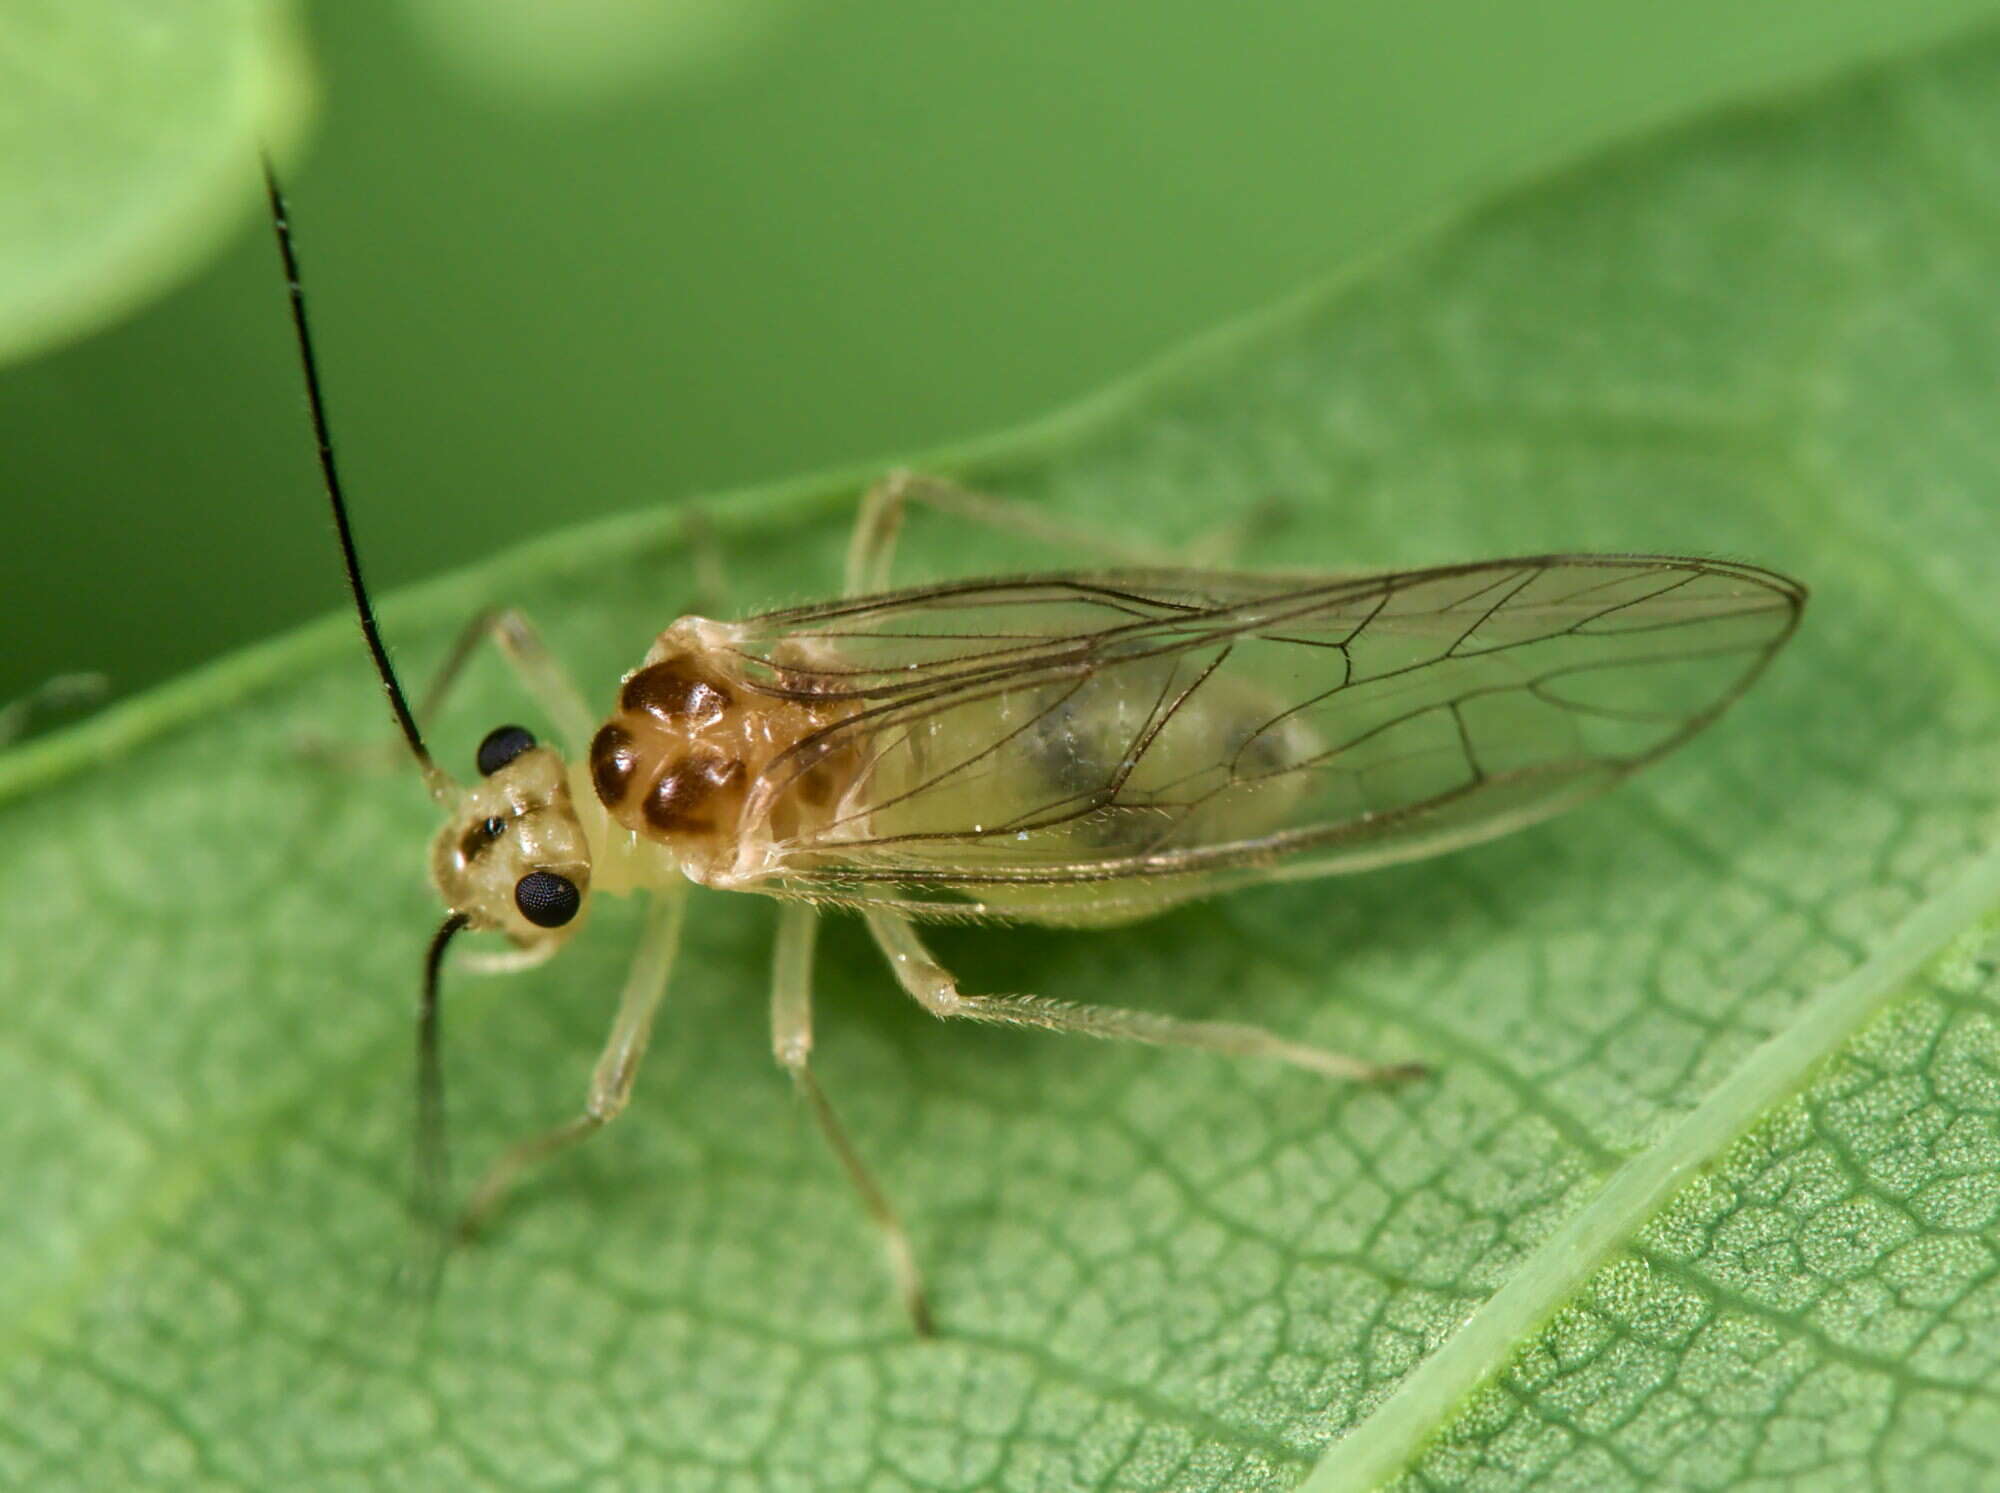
{"x":1390,"y":1437}
{"x":1388,"y":1440}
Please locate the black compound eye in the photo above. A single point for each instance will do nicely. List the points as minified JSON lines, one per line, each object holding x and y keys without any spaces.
{"x":546,"y":899}
{"x":501,"y":746}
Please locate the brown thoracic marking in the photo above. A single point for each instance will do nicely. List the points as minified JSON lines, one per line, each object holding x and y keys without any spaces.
{"x":680,"y":758}
{"x":680,"y":792}
{"x":669,"y":691}
{"x":614,"y":758}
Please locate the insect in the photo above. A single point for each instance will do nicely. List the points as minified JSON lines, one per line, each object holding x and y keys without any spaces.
{"x":1080,"y":747}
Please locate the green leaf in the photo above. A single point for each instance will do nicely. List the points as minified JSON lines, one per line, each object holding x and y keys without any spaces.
{"x":127,"y":131}
{"x":587,"y":49}
{"x":1611,"y":1244}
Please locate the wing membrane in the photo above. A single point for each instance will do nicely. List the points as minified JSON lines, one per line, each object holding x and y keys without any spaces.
{"x":1059,"y":730}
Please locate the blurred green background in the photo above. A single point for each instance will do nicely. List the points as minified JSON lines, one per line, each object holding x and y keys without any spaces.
{"x":562,"y":275}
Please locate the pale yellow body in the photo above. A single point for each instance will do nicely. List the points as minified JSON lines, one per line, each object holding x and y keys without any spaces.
{"x":1080,"y":749}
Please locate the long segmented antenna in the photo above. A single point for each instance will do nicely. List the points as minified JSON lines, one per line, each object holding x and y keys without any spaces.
{"x":432,"y":1180}
{"x":434,"y":778}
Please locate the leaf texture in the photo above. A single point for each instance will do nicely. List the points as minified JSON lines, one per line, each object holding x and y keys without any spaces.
{"x":1645,"y":1255}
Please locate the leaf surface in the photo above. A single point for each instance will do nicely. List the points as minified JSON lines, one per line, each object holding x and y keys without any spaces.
{"x":127,"y":129}
{"x":1702,"y":1195}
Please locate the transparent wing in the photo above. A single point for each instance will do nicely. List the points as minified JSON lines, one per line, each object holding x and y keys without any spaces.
{"x":1074,"y":730}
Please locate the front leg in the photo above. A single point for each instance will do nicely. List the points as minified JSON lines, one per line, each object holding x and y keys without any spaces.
{"x":872,"y":546}
{"x":617,"y":1066}
{"x":520,"y":645}
{"x":521,"y":648}
{"x":51,"y":696}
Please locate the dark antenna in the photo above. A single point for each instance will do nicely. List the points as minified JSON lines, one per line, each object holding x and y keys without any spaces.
{"x":434,"y":777}
{"x":433,"y":1177}
{"x":431,"y":1200}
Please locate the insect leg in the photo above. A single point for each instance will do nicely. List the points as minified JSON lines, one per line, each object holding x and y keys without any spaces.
{"x":521,"y":645}
{"x":791,"y":1040}
{"x":508,"y":961}
{"x":57,"y":693}
{"x":873,"y":543}
{"x":711,"y":577}
{"x":522,"y":648}
{"x":617,"y":1066}
{"x":935,"y":988}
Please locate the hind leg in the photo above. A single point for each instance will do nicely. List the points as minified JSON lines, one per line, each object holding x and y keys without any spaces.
{"x":936,"y":990}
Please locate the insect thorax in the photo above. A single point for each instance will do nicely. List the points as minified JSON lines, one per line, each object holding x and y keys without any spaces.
{"x":676,"y":761}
